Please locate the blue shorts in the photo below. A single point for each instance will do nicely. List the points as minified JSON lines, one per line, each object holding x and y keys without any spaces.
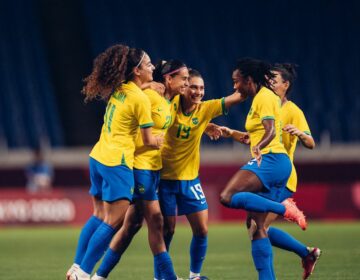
{"x":146,"y":184}
{"x":111,"y":183}
{"x":187,"y":195}
{"x":274,"y":173}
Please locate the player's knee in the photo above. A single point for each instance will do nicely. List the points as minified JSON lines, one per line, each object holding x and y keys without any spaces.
{"x":156,"y":221}
{"x":135,"y":227}
{"x":225,"y":199}
{"x":201,"y":232}
{"x":169,"y":231}
{"x":251,"y":227}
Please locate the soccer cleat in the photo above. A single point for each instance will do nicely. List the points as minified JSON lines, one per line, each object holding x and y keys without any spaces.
{"x":97,"y":277}
{"x":71,"y":270}
{"x":309,"y":262}
{"x":292,"y":213}
{"x":79,"y":275}
{"x":199,"y":278}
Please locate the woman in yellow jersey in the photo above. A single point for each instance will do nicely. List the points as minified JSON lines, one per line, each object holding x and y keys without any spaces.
{"x":173,"y":76}
{"x":295,"y":129}
{"x":180,"y":190}
{"x":260,"y":185}
{"x":117,"y":76}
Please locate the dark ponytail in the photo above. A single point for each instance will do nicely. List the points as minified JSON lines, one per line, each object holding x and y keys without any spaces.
{"x":163,"y":68}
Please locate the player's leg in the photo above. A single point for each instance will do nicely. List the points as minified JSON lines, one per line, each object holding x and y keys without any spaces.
{"x":192,"y":202}
{"x":87,"y":231}
{"x":240,"y":194}
{"x":163,"y":265}
{"x":199,"y":242}
{"x":95,"y":220}
{"x":168,"y":190}
{"x":117,"y":187}
{"x":261,"y":248}
{"x":122,"y":239}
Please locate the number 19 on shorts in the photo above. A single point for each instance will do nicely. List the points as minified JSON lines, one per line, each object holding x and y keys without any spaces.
{"x":197,"y":191}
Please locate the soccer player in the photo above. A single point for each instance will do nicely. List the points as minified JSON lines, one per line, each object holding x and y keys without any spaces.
{"x":173,"y":77}
{"x":180,"y":190}
{"x":117,"y":76}
{"x":260,"y":185}
{"x":296,"y":129}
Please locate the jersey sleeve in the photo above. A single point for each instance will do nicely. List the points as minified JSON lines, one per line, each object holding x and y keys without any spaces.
{"x":300,"y":122}
{"x":143,"y":112}
{"x":214,"y":108}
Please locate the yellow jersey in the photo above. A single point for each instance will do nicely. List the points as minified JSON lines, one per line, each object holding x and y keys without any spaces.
{"x":127,"y":110}
{"x":147,"y":158}
{"x":181,"y":149}
{"x":266,"y":105}
{"x":292,"y":114}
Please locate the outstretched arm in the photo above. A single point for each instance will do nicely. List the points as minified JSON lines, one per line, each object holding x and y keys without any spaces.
{"x":234,"y":99}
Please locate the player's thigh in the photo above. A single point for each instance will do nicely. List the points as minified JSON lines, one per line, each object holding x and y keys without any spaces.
{"x":243,"y":181}
{"x":115,"y":212}
{"x":98,"y":206}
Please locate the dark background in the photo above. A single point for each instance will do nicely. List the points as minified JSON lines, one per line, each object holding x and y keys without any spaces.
{"x":47,"y":48}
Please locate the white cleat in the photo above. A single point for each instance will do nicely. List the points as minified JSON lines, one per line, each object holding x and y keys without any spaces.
{"x":71,"y":270}
{"x":97,"y":277}
{"x":79,"y":275}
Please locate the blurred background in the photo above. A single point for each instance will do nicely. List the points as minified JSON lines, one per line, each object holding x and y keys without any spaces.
{"x":46,"y":130}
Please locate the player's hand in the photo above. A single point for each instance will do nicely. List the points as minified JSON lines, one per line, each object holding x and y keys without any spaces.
{"x":158,"y":87}
{"x":244,"y":138}
{"x":213,"y":131}
{"x":257,"y":154}
{"x":226,"y":132}
{"x":243,"y":95}
{"x":159,"y":140}
{"x":293,"y":130}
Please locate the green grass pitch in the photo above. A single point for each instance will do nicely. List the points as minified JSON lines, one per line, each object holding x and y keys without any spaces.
{"x":46,"y":253}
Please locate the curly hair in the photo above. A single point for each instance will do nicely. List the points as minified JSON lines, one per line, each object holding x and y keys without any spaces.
{"x":258,"y":70}
{"x":110,"y":69}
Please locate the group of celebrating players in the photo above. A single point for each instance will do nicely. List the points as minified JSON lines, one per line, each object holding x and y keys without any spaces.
{"x":146,"y":162}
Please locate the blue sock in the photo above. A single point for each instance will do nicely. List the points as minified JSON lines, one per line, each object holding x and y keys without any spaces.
{"x":283,"y":240}
{"x":256,"y":203}
{"x":87,"y":231}
{"x":98,"y":243}
{"x":167,"y":240}
{"x":108,"y":263}
{"x":165,"y":266}
{"x":197,"y":253}
{"x":157,"y":273}
{"x":262,"y":255}
{"x":272,"y":266}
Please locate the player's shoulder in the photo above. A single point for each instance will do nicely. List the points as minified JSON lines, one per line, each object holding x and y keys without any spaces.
{"x":293,"y":107}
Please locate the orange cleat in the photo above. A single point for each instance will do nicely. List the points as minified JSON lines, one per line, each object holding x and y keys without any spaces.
{"x":293,"y":214}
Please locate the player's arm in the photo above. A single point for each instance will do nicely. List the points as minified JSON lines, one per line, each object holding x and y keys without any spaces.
{"x":269,"y":135}
{"x":233,"y":99}
{"x":153,"y":141}
{"x":213,"y":131}
{"x":239,"y":136}
{"x":158,"y":87}
{"x":304,"y":138}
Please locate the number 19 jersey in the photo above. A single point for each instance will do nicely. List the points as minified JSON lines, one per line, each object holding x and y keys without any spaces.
{"x":181,"y":149}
